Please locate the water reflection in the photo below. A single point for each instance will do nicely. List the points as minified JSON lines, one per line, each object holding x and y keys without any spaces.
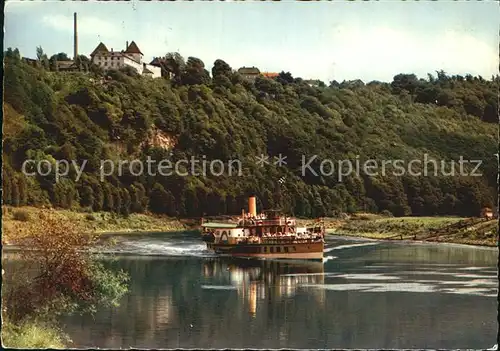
{"x":367,"y":295}
{"x":263,"y":280}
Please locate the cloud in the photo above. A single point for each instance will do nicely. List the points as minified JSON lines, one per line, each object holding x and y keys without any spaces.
{"x":87,"y":25}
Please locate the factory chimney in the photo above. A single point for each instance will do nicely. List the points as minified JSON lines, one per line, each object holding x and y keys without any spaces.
{"x":75,"y":38}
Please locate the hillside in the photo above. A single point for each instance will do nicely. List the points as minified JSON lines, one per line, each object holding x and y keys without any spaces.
{"x":121,"y":116}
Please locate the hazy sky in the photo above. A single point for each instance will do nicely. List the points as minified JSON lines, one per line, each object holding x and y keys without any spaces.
{"x":326,"y":40}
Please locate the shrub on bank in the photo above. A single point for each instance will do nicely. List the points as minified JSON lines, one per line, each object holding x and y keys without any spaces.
{"x":21,"y":215}
{"x":386,"y":213}
{"x":64,"y":278}
{"x":32,"y":335}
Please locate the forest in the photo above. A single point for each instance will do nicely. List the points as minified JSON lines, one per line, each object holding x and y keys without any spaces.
{"x":95,"y":115}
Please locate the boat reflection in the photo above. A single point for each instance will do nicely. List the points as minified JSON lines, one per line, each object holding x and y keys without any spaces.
{"x":267,"y":280}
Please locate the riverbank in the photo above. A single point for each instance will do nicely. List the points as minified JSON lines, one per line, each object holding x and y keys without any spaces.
{"x":17,"y":221}
{"x":457,"y":230}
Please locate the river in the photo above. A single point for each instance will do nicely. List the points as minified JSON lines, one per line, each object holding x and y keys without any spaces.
{"x":366,"y":294}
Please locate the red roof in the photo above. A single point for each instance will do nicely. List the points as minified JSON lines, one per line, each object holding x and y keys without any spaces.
{"x":133,"y":49}
{"x":270,"y":74}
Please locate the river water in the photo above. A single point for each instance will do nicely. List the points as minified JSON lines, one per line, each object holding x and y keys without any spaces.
{"x":366,"y":294}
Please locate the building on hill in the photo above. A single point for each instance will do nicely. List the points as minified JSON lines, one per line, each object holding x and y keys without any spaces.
{"x":249,"y":73}
{"x":67,"y":66}
{"x":131,"y":57}
{"x":312,"y":82}
{"x":160,"y":62}
{"x":487,"y":212}
{"x":30,"y":61}
{"x":271,"y":75}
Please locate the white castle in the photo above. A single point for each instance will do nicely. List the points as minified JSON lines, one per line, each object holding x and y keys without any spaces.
{"x":131,"y":56}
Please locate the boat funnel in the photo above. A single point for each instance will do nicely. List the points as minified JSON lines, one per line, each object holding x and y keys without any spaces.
{"x":252,"y":206}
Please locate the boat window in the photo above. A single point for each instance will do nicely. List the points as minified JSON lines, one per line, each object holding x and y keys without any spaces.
{"x":294,"y":248}
{"x":265,"y":248}
{"x":272,"y":230}
{"x":259,"y":231}
{"x":272,"y":249}
{"x":278,"y":249}
{"x":286,"y":248}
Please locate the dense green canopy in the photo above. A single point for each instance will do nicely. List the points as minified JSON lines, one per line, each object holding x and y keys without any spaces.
{"x":119,"y":115}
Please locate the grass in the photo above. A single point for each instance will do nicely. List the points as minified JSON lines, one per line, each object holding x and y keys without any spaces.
{"x":32,"y":335}
{"x":96,"y":222}
{"x":439,"y":229}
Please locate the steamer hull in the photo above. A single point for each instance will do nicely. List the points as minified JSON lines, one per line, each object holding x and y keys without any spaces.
{"x":309,"y":251}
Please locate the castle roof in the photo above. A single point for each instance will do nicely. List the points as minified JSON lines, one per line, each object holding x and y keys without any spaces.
{"x":100,"y":48}
{"x":156,"y":62}
{"x":249,"y":70}
{"x":133,"y":49}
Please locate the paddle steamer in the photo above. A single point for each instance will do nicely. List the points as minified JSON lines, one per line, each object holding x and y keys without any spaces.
{"x":270,"y":234}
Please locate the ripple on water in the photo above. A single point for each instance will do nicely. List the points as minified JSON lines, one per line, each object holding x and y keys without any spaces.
{"x":219,"y":287}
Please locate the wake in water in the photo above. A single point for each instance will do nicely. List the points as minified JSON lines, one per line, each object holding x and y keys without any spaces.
{"x":348,"y":246}
{"x":328,"y":258}
{"x":161,"y":247}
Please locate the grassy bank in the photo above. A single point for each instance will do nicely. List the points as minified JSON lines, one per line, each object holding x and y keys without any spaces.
{"x":32,"y":335}
{"x":16,"y":222}
{"x":473,"y":231}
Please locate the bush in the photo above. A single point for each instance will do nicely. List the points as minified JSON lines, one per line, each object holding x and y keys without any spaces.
{"x":20,"y":215}
{"x":386,"y":213}
{"x":32,"y":335}
{"x":86,"y":209}
{"x":68,"y":278}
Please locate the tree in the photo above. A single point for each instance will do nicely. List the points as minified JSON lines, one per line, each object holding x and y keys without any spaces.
{"x":39,"y":53}
{"x":285,"y":78}
{"x":16,"y":196}
{"x":42,"y":58}
{"x":221,"y":68}
{"x":108,"y":203}
{"x":53,"y":64}
{"x":126,"y":202}
{"x":87,"y":196}
{"x":194,"y":72}
{"x":159,"y":199}
{"x":60,"y":57}
{"x":408,"y":82}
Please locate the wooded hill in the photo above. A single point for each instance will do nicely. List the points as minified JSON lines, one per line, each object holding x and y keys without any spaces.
{"x":94,"y":115}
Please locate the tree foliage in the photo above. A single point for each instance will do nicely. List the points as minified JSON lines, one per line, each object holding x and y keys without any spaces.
{"x":126,"y":116}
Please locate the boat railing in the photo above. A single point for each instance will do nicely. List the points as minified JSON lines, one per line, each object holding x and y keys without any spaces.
{"x":280,"y":240}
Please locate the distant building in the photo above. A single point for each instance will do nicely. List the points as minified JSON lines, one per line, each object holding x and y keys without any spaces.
{"x":487,"y":213}
{"x":249,"y":73}
{"x":271,"y":75}
{"x":30,"y":61}
{"x":312,"y":82}
{"x":67,"y":66}
{"x":131,"y":57}
{"x":160,"y":62}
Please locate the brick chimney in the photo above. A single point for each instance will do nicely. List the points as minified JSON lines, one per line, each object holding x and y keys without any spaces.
{"x":126,"y":47}
{"x":75,"y":38}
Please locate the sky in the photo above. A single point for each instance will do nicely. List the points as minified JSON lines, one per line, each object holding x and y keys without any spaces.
{"x":335,"y":40}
